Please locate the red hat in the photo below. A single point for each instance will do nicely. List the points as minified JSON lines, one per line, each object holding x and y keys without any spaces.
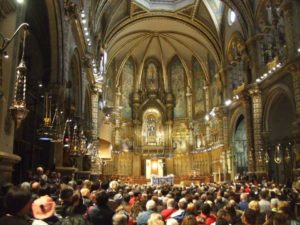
{"x":43,"y":207}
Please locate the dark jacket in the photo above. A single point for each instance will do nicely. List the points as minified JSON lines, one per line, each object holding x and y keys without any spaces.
{"x":100,"y":215}
{"x":13,"y":220}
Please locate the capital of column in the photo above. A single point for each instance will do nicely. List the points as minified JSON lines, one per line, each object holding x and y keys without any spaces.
{"x":254,"y":91}
{"x":98,"y":87}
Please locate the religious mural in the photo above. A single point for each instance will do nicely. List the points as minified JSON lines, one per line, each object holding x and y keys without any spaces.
{"x":216,"y":8}
{"x":178,"y":88}
{"x":127,"y":88}
{"x":199,"y":94}
{"x":151,"y":78}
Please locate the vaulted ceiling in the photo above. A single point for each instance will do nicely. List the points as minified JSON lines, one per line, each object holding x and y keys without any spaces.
{"x":164,"y":28}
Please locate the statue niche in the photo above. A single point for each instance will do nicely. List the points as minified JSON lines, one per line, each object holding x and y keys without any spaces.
{"x":151,"y":78}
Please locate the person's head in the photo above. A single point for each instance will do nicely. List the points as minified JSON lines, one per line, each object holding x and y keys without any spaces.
{"x":151,"y":205}
{"x":39,"y":170}
{"x":254,"y":205}
{"x":206,"y":209}
{"x":244,"y":197}
{"x":120,"y":219}
{"x":172,"y":221}
{"x":171,"y":203}
{"x":263,"y":194}
{"x":182,"y":204}
{"x":223,"y":213}
{"x":191,"y":208}
{"x":43,"y":207}
{"x":18,"y":201}
{"x":25,"y":185}
{"x":189,"y":220}
{"x":66,"y":194}
{"x":85,"y":192}
{"x":101,"y":198}
{"x":87,"y":184}
{"x":35,"y":187}
{"x":155,"y":219}
{"x":249,"y":217}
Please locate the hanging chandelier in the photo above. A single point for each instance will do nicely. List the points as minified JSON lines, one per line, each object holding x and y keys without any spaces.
{"x":18,"y":108}
{"x":74,"y":139}
{"x":57,"y":134}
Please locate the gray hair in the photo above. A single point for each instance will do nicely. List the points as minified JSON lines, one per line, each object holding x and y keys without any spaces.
{"x":120,"y":219}
{"x":150,"y":205}
{"x":171,"y":203}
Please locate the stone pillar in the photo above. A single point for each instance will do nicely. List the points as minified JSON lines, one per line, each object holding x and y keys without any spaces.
{"x":96,"y":170}
{"x":291,"y":14}
{"x":295,"y":70}
{"x":255,"y":94}
{"x":117,"y":137}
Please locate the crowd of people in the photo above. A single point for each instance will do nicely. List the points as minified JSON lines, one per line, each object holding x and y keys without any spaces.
{"x":52,"y":200}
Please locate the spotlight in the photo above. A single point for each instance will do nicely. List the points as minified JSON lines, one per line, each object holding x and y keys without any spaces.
{"x":85,"y":28}
{"x":88,"y":40}
{"x":5,"y":55}
{"x":206,"y":117}
{"x":84,"y":21}
{"x":299,"y":50}
{"x":40,"y":85}
{"x":228,"y":102}
{"x":258,"y":80}
{"x":20,"y":1}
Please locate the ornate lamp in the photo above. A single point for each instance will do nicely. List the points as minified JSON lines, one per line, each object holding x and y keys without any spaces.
{"x":45,"y":131}
{"x":18,"y":108}
{"x":277,"y":155}
{"x":57,"y":133}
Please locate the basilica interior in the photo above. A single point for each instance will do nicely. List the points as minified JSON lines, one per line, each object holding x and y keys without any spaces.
{"x":205,"y":90}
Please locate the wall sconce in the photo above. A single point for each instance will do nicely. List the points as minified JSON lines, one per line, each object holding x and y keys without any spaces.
{"x":18,"y":108}
{"x":4,"y":42}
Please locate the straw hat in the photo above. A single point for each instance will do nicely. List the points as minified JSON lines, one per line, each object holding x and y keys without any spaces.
{"x":43,"y":207}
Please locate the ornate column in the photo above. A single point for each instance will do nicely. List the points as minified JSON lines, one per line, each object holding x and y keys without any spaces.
{"x":295,"y":70}
{"x":117,"y":137}
{"x":96,"y":170}
{"x":255,"y":94}
{"x":291,"y":20}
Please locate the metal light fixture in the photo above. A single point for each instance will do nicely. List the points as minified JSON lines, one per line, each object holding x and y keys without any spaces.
{"x":4,"y":42}
{"x":45,"y":131}
{"x":18,"y":108}
{"x":277,"y":155}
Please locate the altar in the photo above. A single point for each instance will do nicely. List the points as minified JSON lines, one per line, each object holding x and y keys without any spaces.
{"x":161,"y":180}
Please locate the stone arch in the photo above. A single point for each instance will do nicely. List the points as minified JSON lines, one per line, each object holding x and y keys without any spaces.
{"x":278,"y":117}
{"x":234,"y":123}
{"x":272,"y":96}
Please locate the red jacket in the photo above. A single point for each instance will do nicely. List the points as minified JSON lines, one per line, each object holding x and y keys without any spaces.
{"x":166,"y":213}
